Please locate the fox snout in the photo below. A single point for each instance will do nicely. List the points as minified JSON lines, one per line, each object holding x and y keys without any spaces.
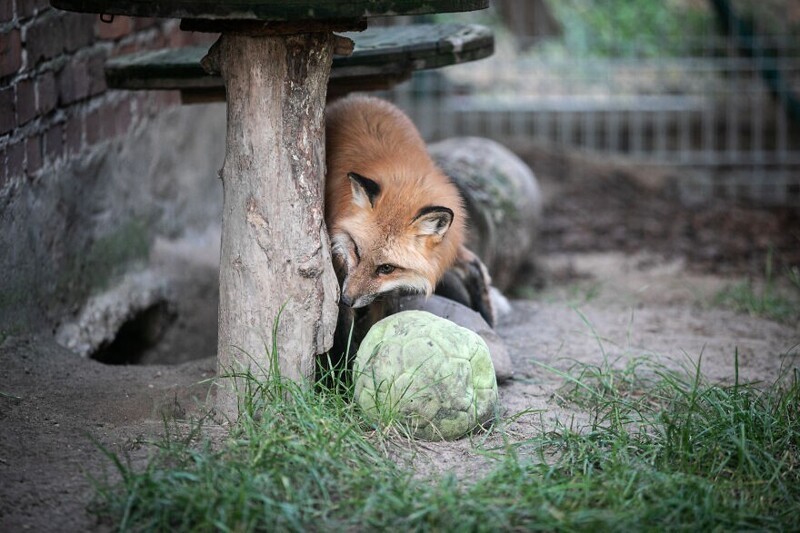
{"x":352,"y":293}
{"x":355,"y":301}
{"x":346,"y":300}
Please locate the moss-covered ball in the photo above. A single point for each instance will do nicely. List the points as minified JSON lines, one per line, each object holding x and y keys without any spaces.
{"x":427,"y":373}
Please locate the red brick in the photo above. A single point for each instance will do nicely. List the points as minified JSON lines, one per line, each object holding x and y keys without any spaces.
{"x":123,"y":118}
{"x":73,"y":135}
{"x":3,"y":168}
{"x":33,"y":149}
{"x":176,"y":39}
{"x":139,"y":101}
{"x":54,"y":142}
{"x":73,"y":81}
{"x":44,"y":39}
{"x":47,"y":92}
{"x":154,"y":43}
{"x":93,"y":122}
{"x":160,"y":41}
{"x":142,"y":23}
{"x":78,"y":31}
{"x":96,"y":73}
{"x":16,"y":159}
{"x":10,"y":52}
{"x":28,"y":8}
{"x":127,"y":48}
{"x":144,"y":104}
{"x":6,"y":10}
{"x":117,"y":28}
{"x":185,"y":38}
{"x":8,"y":110}
{"x":26,"y":101}
{"x":165,"y":99}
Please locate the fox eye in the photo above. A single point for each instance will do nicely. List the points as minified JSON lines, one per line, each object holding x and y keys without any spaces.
{"x":385,"y":269}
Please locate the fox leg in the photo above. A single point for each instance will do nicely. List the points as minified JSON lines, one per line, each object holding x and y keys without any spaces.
{"x":353,"y":324}
{"x":468,"y":282}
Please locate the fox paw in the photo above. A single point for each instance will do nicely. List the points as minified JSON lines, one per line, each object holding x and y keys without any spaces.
{"x":468,"y":282}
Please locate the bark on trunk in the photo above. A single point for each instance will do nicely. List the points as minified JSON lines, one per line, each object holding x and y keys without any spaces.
{"x":275,"y":256}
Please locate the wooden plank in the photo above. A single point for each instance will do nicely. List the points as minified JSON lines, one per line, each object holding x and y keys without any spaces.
{"x":392,"y":53}
{"x":269,"y":10}
{"x":169,"y":68}
{"x":425,"y":45}
{"x":269,"y":27}
{"x":336,"y":89}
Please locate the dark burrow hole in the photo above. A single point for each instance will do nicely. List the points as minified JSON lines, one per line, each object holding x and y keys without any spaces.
{"x":137,"y":336}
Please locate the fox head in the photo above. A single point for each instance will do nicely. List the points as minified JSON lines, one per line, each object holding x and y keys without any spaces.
{"x":394,"y":240}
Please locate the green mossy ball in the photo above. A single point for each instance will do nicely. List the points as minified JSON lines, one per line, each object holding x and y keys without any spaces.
{"x":426,"y":372}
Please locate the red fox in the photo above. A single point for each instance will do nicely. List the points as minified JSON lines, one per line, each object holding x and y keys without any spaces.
{"x":396,"y":222}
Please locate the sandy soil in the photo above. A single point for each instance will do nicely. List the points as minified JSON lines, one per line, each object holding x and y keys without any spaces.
{"x":631,"y":279}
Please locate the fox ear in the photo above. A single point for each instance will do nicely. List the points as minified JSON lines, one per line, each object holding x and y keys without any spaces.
{"x":433,"y":221}
{"x":364,"y":189}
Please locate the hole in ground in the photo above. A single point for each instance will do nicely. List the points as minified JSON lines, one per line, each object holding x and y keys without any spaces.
{"x":137,"y":336}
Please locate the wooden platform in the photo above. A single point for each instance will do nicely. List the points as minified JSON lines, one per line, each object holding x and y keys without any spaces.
{"x":269,"y":10}
{"x":382,"y":57}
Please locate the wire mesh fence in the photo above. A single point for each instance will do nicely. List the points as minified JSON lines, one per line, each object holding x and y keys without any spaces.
{"x":683,"y":83}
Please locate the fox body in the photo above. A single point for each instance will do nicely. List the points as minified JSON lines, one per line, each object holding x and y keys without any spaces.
{"x":395,"y":221}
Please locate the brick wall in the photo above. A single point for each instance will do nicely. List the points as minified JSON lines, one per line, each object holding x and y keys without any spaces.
{"x":54,"y":103}
{"x":86,"y":172}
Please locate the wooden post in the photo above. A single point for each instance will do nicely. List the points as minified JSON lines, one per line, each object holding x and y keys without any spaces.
{"x":275,"y":256}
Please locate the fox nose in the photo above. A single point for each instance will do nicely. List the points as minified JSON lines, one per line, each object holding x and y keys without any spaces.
{"x":346,"y":300}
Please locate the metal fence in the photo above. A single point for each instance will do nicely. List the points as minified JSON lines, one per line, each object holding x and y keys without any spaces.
{"x":721,"y":99}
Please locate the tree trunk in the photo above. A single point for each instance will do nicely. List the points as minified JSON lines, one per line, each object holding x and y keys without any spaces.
{"x":275,"y":260}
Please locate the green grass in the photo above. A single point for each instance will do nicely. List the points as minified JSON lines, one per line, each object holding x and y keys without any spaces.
{"x":777,"y":298}
{"x":657,"y":450}
{"x":574,"y":294}
{"x":747,"y":297}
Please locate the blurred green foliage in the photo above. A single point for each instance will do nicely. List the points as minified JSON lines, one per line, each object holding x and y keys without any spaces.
{"x":630,"y":28}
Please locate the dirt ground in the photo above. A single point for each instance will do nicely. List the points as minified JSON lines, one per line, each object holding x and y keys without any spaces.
{"x":628,"y":271}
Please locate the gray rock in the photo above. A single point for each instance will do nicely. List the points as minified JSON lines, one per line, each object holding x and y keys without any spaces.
{"x":503,"y":200}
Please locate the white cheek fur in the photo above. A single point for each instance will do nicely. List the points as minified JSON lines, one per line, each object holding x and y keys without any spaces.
{"x":340,"y":247}
{"x":416,"y":284}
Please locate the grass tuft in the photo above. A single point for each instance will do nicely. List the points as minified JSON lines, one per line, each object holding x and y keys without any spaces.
{"x":778,"y":298}
{"x":293,"y":458}
{"x":658,"y":450}
{"x":675,"y":451}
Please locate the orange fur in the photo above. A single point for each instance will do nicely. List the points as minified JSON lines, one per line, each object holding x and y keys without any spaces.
{"x":375,"y":139}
